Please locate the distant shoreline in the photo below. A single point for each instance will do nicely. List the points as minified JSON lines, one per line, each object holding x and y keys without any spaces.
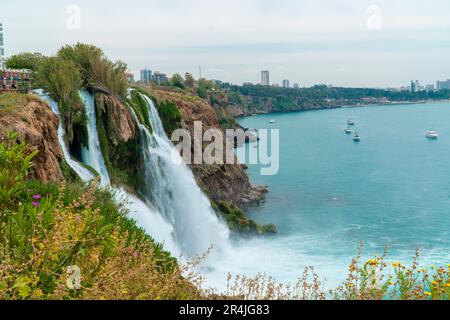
{"x":392,"y":103}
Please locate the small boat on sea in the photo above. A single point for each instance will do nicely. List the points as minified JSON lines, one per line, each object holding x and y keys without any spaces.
{"x":350,"y":122}
{"x":272,"y":121}
{"x":432,"y":134}
{"x":348,"y":131}
{"x":356,"y":138}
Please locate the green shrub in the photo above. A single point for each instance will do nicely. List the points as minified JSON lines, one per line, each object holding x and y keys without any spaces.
{"x":25,"y":60}
{"x":237,"y":221}
{"x":170,"y":116}
{"x":140,"y":108}
{"x":97,"y":72}
{"x":15,"y":164}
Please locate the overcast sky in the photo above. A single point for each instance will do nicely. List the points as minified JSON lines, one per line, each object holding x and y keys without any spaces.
{"x":341,"y":42}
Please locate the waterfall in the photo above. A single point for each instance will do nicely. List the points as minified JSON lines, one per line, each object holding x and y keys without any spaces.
{"x":172,"y":189}
{"x":92,"y":154}
{"x":82,"y":172}
{"x":146,"y":216}
{"x":175,"y":211}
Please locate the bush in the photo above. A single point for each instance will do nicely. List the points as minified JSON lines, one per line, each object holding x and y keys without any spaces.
{"x":25,"y":60}
{"x":97,"y":72}
{"x":237,"y":221}
{"x":15,"y":164}
{"x":170,"y":116}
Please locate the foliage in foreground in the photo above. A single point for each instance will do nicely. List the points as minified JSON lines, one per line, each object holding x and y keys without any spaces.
{"x":48,"y":233}
{"x":366,"y":280}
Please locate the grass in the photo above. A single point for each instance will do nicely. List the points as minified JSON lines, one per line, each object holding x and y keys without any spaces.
{"x":12,"y":101}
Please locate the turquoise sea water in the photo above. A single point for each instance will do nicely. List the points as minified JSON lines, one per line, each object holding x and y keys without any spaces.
{"x":392,"y":188}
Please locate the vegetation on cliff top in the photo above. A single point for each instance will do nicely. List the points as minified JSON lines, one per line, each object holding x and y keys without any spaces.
{"x":11,"y":101}
{"x":257,"y":98}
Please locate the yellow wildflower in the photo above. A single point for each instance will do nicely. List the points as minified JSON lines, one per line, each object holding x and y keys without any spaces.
{"x":372,"y":262}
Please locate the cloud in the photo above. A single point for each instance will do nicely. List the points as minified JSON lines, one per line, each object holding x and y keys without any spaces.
{"x":297,"y":39}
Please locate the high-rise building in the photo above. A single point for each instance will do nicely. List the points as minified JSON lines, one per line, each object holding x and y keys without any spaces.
{"x":429,"y":87}
{"x":265,"y":78}
{"x":2,"y":49}
{"x":130,"y":77}
{"x":295,"y":86}
{"x":443,"y":85}
{"x":160,"y":78}
{"x":146,"y":75}
{"x":415,"y":86}
{"x":285,"y":83}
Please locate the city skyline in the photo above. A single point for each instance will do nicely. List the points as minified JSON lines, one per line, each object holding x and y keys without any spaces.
{"x":344,"y":43}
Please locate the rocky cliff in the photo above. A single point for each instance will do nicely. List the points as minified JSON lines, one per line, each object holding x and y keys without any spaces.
{"x":220,"y":182}
{"x":38,"y":126}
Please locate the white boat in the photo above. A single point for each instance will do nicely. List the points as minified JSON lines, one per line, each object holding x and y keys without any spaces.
{"x":356,"y":138}
{"x":348,"y":131}
{"x":432,"y":134}
{"x":350,"y":122}
{"x":272,"y":121}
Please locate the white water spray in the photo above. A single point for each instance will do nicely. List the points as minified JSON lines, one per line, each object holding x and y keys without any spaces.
{"x":81,"y":171}
{"x":146,"y":216}
{"x":172,"y":189}
{"x":92,"y":155}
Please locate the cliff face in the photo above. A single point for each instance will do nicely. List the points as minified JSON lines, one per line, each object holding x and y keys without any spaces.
{"x":38,"y":126}
{"x":119,"y":121}
{"x":220,"y":182}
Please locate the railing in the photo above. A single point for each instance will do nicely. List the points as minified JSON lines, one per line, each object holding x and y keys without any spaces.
{"x":15,"y":86}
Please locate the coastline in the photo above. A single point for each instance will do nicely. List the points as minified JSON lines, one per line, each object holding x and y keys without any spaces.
{"x":391,"y":103}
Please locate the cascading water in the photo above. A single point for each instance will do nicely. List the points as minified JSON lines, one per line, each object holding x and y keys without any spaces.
{"x":172,"y":189}
{"x":140,"y":211}
{"x":92,"y":155}
{"x":82,"y":172}
{"x":147,"y":217}
{"x":175,"y":211}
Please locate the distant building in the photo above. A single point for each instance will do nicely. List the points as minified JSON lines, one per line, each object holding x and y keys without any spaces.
{"x":429,"y":87}
{"x":415,"y":86}
{"x":265,"y":78}
{"x":160,"y":78}
{"x":295,"y":86}
{"x":2,"y":49}
{"x":286,"y":84}
{"x":146,"y":75}
{"x":130,"y":76}
{"x":443,"y":85}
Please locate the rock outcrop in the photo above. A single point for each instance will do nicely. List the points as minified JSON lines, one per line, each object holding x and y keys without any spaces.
{"x":38,"y":126}
{"x":221,"y":182}
{"x":120,"y":124}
